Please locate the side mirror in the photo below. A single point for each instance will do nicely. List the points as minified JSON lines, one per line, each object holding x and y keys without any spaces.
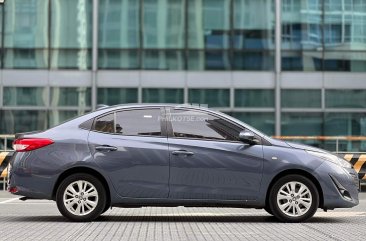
{"x":247,"y":137}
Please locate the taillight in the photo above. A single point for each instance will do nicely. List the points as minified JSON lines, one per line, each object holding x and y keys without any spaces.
{"x":21,"y":145}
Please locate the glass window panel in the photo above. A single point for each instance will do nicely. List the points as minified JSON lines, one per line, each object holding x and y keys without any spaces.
{"x":302,"y":124}
{"x":1,"y":23}
{"x":250,"y":30}
{"x":115,"y":96}
{"x":119,"y":23}
{"x":24,"y":96}
{"x":345,"y":25}
{"x":26,"y":24}
{"x":163,"y":60}
{"x":345,"y":124}
{"x":153,"y":95}
{"x":253,"y":60}
{"x":345,"y":98}
{"x":345,"y":61}
{"x":208,"y":60}
{"x":71,"y":96}
{"x":57,"y":117}
{"x":118,"y":59}
{"x":303,"y":61}
{"x":105,"y":124}
{"x":25,"y":59}
{"x":138,"y":122}
{"x":301,"y":98}
{"x":208,"y":24}
{"x":71,"y":59}
{"x":263,"y":121}
{"x":254,"y":98}
{"x":71,"y":33}
{"x":163,"y":24}
{"x":301,"y":24}
{"x":191,"y":124}
{"x":210,"y":97}
{"x":16,"y":121}
{"x":71,"y":24}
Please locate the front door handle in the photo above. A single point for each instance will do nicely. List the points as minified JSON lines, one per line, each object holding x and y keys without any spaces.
{"x":106,"y":148}
{"x":182,"y":153}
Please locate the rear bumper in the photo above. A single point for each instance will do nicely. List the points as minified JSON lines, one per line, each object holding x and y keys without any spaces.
{"x":27,"y":182}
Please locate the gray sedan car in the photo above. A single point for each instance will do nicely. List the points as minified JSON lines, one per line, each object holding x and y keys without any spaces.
{"x":168,"y":155}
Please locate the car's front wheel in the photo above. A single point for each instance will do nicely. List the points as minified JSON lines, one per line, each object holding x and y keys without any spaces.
{"x":293,"y":198}
{"x":81,"y":197}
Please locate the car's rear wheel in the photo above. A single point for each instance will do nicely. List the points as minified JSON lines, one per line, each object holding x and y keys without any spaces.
{"x":294,"y":198}
{"x":81,"y":197}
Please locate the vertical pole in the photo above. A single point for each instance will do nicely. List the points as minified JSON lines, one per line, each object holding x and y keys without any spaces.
{"x":337,"y":145}
{"x":278,"y":67}
{"x":94,"y":53}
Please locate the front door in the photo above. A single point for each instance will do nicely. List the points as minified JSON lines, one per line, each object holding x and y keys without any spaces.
{"x":207,"y":161}
{"x":131,"y":146}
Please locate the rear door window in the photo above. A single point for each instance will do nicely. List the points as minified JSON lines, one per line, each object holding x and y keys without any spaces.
{"x":141,"y":122}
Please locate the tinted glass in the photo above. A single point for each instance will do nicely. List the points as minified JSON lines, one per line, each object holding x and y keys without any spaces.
{"x":200,"y":125}
{"x":115,"y":96}
{"x":302,"y":124}
{"x":348,"y":124}
{"x":118,"y":59}
{"x":254,"y":98}
{"x":253,"y":29}
{"x":144,"y":122}
{"x":263,"y":121}
{"x":59,"y":116}
{"x":71,"y":34}
{"x":163,"y":24}
{"x":208,"y":24}
{"x":26,"y":34}
{"x":210,"y":97}
{"x":105,"y":124}
{"x":15,"y":121}
{"x":24,"y":96}
{"x":119,"y":22}
{"x":301,"y":98}
{"x":163,"y":60}
{"x":70,"y":96}
{"x":345,"y":98}
{"x":162,"y":95}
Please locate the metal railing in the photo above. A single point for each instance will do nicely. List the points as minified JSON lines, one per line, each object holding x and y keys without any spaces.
{"x":4,"y":142}
{"x":5,"y":145}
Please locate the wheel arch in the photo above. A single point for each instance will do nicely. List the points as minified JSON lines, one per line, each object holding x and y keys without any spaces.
{"x":87,"y":170}
{"x":298,"y":172}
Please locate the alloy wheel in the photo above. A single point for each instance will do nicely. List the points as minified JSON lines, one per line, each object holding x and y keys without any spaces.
{"x":80,"y":197}
{"x":294,"y":199}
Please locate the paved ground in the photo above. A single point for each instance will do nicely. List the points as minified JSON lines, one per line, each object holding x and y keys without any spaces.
{"x":40,"y":220}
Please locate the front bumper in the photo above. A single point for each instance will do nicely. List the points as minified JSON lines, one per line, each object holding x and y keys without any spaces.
{"x":340,"y":186}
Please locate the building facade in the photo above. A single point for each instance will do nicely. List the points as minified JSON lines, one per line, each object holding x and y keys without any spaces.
{"x":290,"y":67}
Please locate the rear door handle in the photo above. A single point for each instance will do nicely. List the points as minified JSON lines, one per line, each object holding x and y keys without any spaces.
{"x":106,"y":148}
{"x":182,"y":153}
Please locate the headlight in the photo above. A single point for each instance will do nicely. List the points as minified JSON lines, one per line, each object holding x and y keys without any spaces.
{"x":332,"y":158}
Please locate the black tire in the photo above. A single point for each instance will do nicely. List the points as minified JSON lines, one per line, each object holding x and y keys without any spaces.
{"x":268,"y":210}
{"x":284,"y":217}
{"x":100,"y":201}
{"x":106,"y":208}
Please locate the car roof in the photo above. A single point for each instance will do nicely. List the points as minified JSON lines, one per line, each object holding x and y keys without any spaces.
{"x":138,"y":105}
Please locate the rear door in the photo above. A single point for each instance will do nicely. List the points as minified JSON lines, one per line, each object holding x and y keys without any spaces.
{"x":207,"y":161}
{"x":131,"y":146}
